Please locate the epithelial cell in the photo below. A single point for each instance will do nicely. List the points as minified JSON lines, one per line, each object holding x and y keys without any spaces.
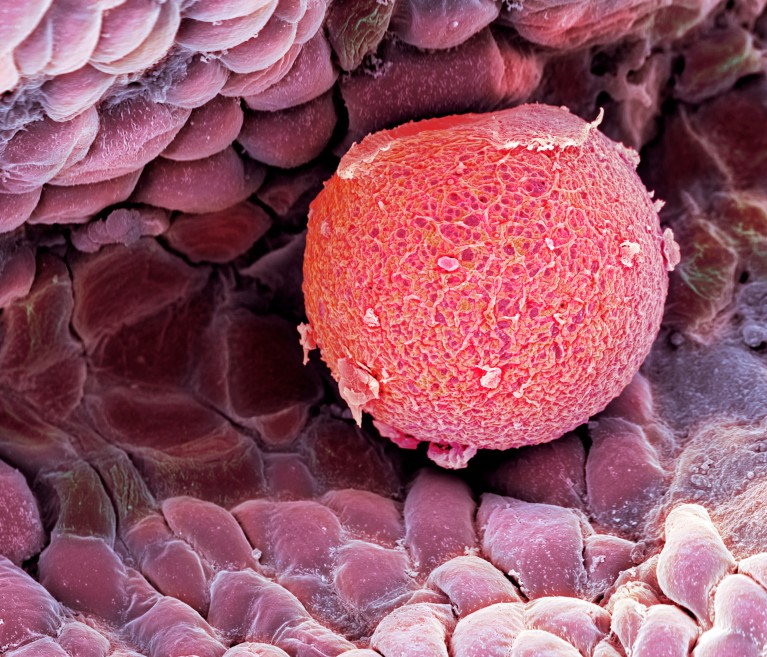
{"x":540,"y":545}
{"x":77,"y":203}
{"x":18,"y":274}
{"x":490,"y":631}
{"x":288,"y":477}
{"x":44,"y":150}
{"x":467,"y":78}
{"x":218,"y":236}
{"x":248,"y":348}
{"x":421,"y":629}
{"x":125,"y":25}
{"x":40,"y":358}
{"x":311,"y":21}
{"x":267,"y":47}
{"x":664,"y":628}
{"x":21,"y":531}
{"x":169,"y":627}
{"x":200,"y":82}
{"x":182,"y":185}
{"x":616,"y":499}
{"x":65,"y":96}
{"x":312,"y":74}
{"x":693,"y":561}
{"x":552,"y":473}
{"x":439,"y":512}
{"x":367,"y":516}
{"x":45,"y":647}
{"x":85,"y":574}
{"x":707,"y":283}
{"x":372,"y":580}
{"x":250,"y":649}
{"x":36,"y":611}
{"x":15,"y":209}
{"x":471,"y":583}
{"x":151,"y":127}
{"x":209,"y":130}
{"x":580,"y":623}
{"x":152,"y":49}
{"x":605,"y":558}
{"x":438,"y":25}
{"x":79,"y":639}
{"x":222,"y":10}
{"x":271,"y":614}
{"x":304,"y":537}
{"x":211,"y":36}
{"x":96,"y":313}
{"x":292,"y":137}
{"x":537,"y":643}
{"x":355,"y":28}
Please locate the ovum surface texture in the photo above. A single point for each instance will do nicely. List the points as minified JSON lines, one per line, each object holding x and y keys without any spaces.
{"x":485,"y":280}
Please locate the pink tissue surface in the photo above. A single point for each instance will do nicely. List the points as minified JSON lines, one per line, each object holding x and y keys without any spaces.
{"x":175,"y":481}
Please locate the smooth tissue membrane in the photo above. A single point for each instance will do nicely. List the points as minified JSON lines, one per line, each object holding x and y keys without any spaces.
{"x":485,"y":281}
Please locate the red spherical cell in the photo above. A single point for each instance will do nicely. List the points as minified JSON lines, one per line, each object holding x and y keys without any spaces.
{"x":484,"y":281}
